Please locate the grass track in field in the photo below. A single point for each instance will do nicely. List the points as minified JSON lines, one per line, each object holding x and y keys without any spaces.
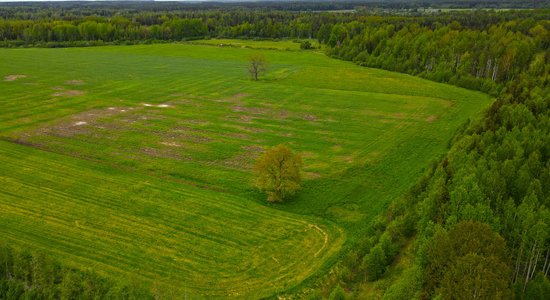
{"x":137,"y":159}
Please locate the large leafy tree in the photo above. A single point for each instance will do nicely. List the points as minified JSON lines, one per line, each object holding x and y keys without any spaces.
{"x":278,"y":173}
{"x":470,"y":261}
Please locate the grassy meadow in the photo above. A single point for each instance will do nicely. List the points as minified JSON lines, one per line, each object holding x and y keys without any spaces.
{"x":136,"y":160}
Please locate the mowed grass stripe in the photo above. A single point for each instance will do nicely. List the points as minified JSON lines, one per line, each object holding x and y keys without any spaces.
{"x":89,"y":199}
{"x":61,"y":172}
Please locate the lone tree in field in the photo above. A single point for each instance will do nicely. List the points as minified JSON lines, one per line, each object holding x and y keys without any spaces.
{"x":256,"y":65}
{"x":278,"y":173}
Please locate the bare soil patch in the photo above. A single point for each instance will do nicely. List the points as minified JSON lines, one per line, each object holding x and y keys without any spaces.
{"x":14,"y":77}
{"x":81,"y":123}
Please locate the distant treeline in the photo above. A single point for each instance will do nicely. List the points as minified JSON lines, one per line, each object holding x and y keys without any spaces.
{"x":112,"y":8}
{"x":50,"y":26}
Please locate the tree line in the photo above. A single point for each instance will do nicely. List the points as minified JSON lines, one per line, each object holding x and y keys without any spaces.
{"x":45,"y":26}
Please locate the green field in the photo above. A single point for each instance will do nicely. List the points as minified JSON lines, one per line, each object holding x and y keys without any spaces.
{"x":252,"y":44}
{"x":136,"y":160}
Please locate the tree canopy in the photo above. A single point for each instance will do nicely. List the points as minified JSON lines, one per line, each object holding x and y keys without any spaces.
{"x":278,"y":173}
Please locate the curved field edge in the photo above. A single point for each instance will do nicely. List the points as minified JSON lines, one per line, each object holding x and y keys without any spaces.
{"x":210,"y":244}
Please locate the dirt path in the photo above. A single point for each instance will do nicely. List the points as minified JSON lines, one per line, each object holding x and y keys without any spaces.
{"x":324,"y":234}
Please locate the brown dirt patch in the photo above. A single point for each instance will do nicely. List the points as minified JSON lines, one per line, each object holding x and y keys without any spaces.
{"x":81,"y":123}
{"x":14,"y":77}
{"x":68,"y":93}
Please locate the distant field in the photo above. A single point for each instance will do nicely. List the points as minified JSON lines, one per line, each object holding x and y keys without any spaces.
{"x":136,"y":160}
{"x":267,"y":44}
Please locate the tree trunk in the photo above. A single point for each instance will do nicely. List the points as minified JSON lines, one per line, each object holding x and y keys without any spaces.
{"x":545,"y":267}
{"x":529,"y":267}
{"x":495,"y":71}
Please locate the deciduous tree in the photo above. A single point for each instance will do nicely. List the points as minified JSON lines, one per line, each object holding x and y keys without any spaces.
{"x":256,"y":65}
{"x":278,"y":173}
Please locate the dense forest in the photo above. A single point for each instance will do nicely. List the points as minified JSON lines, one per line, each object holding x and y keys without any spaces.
{"x":476,"y":225}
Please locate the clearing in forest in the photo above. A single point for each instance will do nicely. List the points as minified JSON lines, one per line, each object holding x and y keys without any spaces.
{"x":137,"y":159}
